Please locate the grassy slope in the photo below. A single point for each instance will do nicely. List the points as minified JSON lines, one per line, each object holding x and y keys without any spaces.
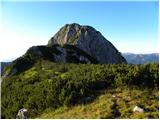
{"x":105,"y":107}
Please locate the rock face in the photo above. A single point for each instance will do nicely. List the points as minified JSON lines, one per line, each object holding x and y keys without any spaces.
{"x":56,"y":53}
{"x":89,"y":40}
{"x":73,"y":43}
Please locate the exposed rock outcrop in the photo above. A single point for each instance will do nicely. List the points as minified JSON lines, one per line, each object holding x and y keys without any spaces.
{"x":73,"y":43}
{"x":89,"y":40}
{"x":56,"y":53}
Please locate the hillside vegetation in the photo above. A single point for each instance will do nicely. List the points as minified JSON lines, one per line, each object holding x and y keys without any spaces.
{"x":52,"y":87}
{"x":108,"y":107}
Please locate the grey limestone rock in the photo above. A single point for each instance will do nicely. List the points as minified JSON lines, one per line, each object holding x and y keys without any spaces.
{"x":90,"y":41}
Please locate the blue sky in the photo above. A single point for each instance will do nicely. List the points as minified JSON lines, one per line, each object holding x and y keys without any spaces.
{"x":130,"y":26}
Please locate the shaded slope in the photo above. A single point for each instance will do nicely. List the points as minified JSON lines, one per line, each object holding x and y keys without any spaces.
{"x":3,"y":65}
{"x":56,"y":53}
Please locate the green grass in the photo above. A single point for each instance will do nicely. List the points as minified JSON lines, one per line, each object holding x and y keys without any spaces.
{"x":101,"y":107}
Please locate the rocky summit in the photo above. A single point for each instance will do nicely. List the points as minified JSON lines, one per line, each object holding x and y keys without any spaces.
{"x":73,"y":43}
{"x":89,"y":40}
{"x":56,"y":53}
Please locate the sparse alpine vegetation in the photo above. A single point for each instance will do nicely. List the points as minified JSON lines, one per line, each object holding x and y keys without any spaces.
{"x":106,"y":106}
{"x":48,"y":85}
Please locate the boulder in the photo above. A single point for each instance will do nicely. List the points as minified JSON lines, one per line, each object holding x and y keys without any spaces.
{"x":138,"y":109}
{"x":22,"y":114}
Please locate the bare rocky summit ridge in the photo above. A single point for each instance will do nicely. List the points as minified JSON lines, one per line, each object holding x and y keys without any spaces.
{"x":89,"y":40}
{"x":56,"y":53}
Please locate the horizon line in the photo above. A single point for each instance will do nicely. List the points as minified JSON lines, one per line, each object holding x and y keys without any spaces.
{"x":12,"y":59}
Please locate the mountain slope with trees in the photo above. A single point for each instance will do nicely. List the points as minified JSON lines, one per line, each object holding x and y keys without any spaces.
{"x":76,"y":67}
{"x":53,"y":85}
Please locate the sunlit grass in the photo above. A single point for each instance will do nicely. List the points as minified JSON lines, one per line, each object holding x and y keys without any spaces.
{"x":101,"y":107}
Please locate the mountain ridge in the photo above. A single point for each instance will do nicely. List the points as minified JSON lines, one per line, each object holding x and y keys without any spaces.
{"x":56,"y":53}
{"x":124,"y":54}
{"x":90,"y":41}
{"x":141,"y":58}
{"x":57,"y":75}
{"x":73,"y":43}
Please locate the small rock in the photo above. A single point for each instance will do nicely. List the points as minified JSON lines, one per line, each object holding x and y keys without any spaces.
{"x":113,"y":96}
{"x":138,"y":109}
{"x":22,"y":114}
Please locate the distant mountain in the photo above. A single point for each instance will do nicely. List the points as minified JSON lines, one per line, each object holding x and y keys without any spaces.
{"x":141,"y":58}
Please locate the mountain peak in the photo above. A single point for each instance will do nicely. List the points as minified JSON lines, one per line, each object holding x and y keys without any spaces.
{"x":73,"y":24}
{"x":69,"y":33}
{"x":76,"y":25}
{"x":89,"y":40}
